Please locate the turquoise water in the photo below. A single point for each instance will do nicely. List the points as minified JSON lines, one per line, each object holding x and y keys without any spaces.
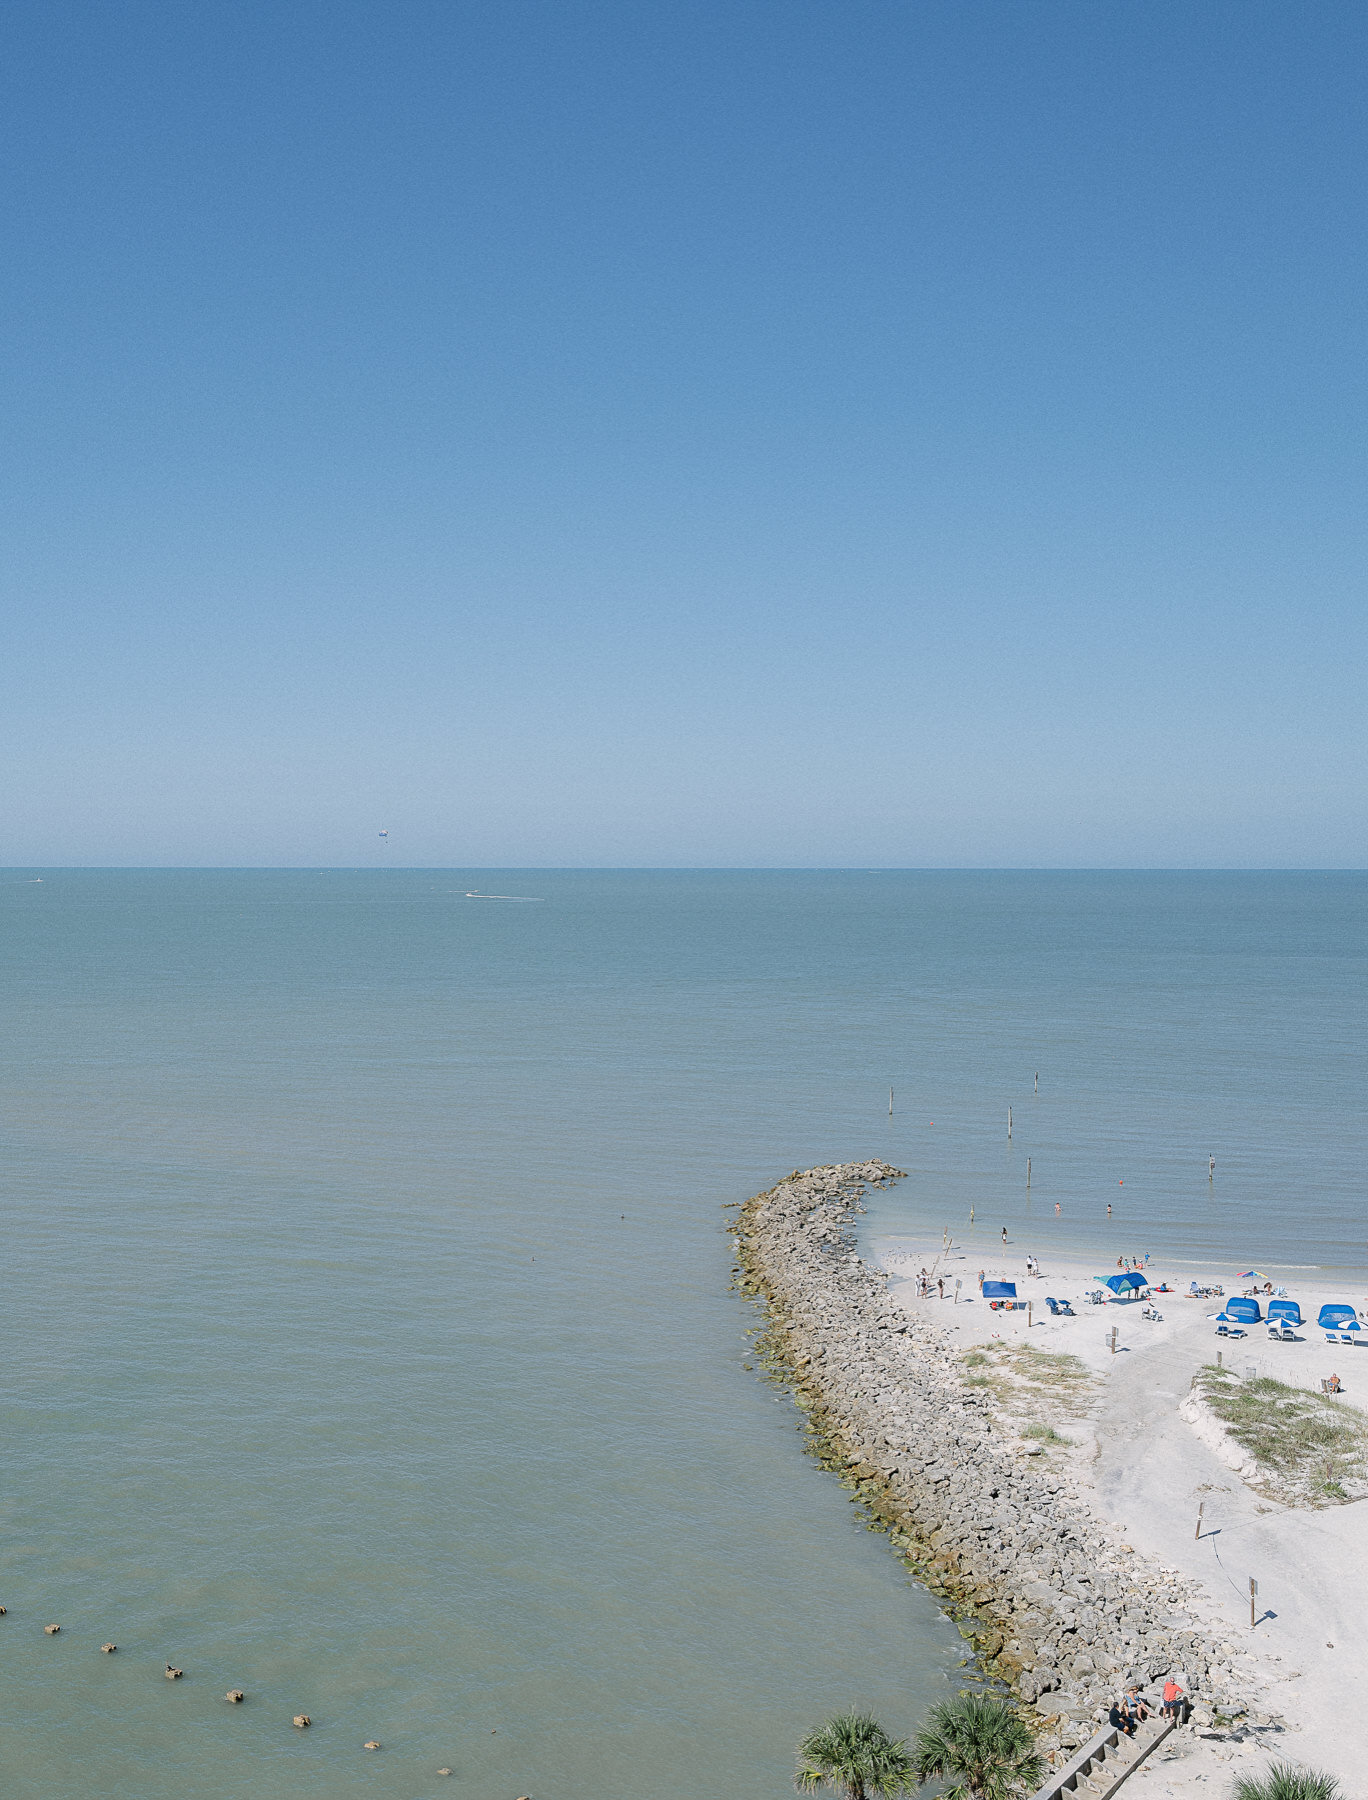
{"x":332,"y":1368}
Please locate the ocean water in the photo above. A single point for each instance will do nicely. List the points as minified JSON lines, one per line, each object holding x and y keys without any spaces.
{"x":367,"y":1338}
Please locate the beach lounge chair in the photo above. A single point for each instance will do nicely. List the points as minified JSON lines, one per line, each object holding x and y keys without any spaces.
{"x":1226,"y":1330}
{"x":1059,"y":1309}
{"x":1284,"y":1316}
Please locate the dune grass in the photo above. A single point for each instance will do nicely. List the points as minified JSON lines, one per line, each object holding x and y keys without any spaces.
{"x":1284,"y":1781}
{"x":1305,"y":1444}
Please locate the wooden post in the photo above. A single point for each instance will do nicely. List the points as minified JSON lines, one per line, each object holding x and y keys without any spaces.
{"x":1218,"y":1359}
{"x":1030,"y":1314}
{"x":1201,"y":1508}
{"x":1028,"y":1174}
{"x":1113,"y":1340}
{"x":957,"y":1288}
{"x":1009,"y":1124}
{"x":1253,"y":1600}
{"x":890,"y":1103}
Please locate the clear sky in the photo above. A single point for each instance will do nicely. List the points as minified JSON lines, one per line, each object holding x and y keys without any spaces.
{"x":748,"y":432}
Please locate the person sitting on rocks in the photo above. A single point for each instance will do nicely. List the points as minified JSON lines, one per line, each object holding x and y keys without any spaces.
{"x":1135,"y":1706}
{"x":1119,"y":1718}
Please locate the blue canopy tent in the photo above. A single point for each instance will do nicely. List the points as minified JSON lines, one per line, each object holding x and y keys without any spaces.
{"x":999,"y":1290}
{"x":1284,"y":1309}
{"x":1242,"y":1310}
{"x":1334,"y":1316}
{"x":1126,"y":1287}
{"x":1340,"y":1323}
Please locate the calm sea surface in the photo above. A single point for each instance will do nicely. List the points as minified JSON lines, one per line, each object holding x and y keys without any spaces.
{"x":367,"y":1340}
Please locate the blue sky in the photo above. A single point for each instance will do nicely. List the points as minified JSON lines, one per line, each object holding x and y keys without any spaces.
{"x":699,"y":434}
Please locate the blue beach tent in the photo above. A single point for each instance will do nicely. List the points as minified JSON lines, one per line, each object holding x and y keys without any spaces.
{"x":1335,"y":1317}
{"x":1340,"y":1324}
{"x":1241,"y":1310}
{"x":1126,"y":1287}
{"x":1287,"y":1310}
{"x":999,"y":1290}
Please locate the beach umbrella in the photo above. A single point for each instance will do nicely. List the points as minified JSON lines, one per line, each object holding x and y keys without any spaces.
{"x":1252,"y":1275}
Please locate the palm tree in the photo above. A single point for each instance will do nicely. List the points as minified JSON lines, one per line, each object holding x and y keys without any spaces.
{"x":1284,"y":1781}
{"x":979,"y":1746}
{"x":855,"y":1757}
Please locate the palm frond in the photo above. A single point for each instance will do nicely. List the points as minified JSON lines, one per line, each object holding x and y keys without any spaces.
{"x":854,"y":1756}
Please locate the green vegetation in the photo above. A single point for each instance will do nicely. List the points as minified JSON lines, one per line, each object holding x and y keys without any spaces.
{"x":1045,"y":1433}
{"x":1284,"y":1781}
{"x":979,"y":1748}
{"x":1032,"y":1384}
{"x":854,"y":1756}
{"x":1306,"y":1445}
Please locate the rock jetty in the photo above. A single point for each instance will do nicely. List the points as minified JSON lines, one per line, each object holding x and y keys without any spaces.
{"x":1053,"y":1603}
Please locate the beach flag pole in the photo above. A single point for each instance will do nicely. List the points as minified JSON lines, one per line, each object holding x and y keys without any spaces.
{"x":1009,"y":1124}
{"x":1037,"y":1081}
{"x":1028,"y":1174}
{"x":890,"y":1103}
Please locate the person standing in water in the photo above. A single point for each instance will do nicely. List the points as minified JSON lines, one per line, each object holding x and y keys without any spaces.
{"x":1056,"y":1209}
{"x":1004,"y":1237}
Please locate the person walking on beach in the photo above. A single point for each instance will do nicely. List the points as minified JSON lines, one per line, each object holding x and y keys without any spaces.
{"x":940,"y":1286}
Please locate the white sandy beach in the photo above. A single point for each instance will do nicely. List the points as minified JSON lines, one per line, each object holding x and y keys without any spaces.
{"x":1146,"y":1470}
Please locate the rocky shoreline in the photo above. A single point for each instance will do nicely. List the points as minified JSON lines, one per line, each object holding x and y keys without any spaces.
{"x":1054,"y":1604}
